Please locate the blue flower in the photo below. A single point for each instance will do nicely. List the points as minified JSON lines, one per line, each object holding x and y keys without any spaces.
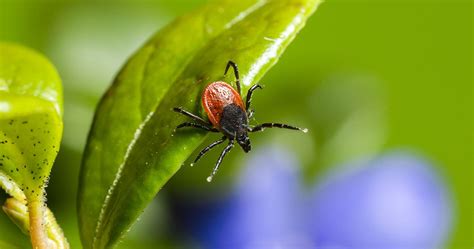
{"x":393,"y":201}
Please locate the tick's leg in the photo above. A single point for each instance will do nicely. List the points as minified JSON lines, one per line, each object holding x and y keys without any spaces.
{"x":236,"y":73}
{"x":224,"y":152}
{"x":193,"y":116}
{"x":261,"y":127}
{"x":196,"y":125}
{"x":249,"y":96}
{"x":209,"y":147}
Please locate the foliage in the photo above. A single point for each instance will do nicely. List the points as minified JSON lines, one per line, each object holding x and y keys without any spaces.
{"x":125,"y":167}
{"x":30,"y":134}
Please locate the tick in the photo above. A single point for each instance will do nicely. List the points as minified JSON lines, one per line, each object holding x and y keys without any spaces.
{"x":228,"y":115}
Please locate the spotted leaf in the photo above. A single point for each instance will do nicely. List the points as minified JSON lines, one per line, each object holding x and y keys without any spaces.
{"x":30,"y":134}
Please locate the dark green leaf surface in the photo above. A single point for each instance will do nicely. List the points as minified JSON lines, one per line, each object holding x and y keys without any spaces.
{"x":5,"y":245}
{"x":132,"y":151}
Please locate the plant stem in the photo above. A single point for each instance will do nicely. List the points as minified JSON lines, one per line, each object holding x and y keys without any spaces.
{"x":39,"y":239}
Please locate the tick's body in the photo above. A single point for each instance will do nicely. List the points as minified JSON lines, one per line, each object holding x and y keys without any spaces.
{"x":227,"y":114}
{"x":219,"y":98}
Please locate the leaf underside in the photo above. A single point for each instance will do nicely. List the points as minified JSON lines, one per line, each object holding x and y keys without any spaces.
{"x":131,"y":151}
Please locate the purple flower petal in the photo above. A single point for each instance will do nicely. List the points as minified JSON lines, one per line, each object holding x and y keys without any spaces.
{"x":395,"y":201}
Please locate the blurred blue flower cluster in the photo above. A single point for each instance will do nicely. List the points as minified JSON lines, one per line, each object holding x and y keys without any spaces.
{"x":392,"y":201}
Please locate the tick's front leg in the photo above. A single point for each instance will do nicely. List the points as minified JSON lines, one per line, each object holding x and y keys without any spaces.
{"x":209,"y":147}
{"x":219,"y":161}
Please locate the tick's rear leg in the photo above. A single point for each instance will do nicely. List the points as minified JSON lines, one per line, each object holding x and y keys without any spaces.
{"x":209,"y":147}
{"x":262,"y":127}
{"x":236,"y":73}
{"x":193,"y":116}
{"x":249,"y":96}
{"x":219,"y":161}
{"x":196,"y":125}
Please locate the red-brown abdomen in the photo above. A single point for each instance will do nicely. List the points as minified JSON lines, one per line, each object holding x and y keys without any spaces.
{"x":215,"y":97}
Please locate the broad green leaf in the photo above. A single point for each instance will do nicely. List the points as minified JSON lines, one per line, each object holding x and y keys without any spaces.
{"x":5,"y":245}
{"x":131,"y":151}
{"x":30,"y":131}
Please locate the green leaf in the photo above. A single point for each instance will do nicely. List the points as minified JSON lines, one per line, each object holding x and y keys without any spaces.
{"x":6,"y":245}
{"x":131,"y":151}
{"x":30,"y":129}
{"x":30,"y":118}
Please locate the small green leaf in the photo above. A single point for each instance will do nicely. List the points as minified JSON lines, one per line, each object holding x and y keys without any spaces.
{"x":30,"y":129}
{"x":18,"y":213}
{"x":131,"y":151}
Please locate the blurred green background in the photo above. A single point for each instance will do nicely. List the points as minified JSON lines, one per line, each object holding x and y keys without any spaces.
{"x":364,"y":75}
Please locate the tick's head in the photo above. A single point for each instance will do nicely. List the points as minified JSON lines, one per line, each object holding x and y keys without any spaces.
{"x":244,"y":141}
